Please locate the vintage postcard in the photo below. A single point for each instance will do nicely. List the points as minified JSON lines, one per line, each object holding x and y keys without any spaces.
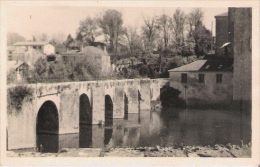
{"x":123,"y":83}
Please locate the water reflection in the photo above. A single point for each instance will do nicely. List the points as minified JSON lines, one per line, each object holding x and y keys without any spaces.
{"x":85,"y":136}
{"x":44,"y":144}
{"x":165,"y":127}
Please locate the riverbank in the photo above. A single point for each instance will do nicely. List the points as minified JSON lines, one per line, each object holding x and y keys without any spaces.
{"x":230,"y":151}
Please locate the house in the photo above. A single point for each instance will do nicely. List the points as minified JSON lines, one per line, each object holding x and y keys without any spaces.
{"x":99,"y":58}
{"x":10,"y":50}
{"x":234,"y":40}
{"x":19,"y":68}
{"x":204,"y":82}
{"x":43,"y":47}
{"x":221,"y":33}
{"x":60,"y":48}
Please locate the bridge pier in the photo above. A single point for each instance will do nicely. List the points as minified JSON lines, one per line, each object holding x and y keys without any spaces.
{"x":119,"y":102}
{"x":145,"y":95}
{"x":69,"y":117}
{"x":133,"y":102}
{"x":98,"y":108}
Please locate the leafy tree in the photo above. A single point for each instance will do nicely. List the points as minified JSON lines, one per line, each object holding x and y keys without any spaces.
{"x":41,"y":66}
{"x":202,"y":37}
{"x":68,"y":40}
{"x":88,"y":28}
{"x":111,"y":24}
{"x":12,"y":38}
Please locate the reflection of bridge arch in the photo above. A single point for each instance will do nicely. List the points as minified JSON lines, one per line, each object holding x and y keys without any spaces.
{"x":47,"y":124}
{"x":108,"y":110}
{"x":125,"y":106}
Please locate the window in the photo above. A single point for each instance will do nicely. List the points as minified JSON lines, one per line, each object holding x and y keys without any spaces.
{"x":219,"y":78}
{"x":201,"y":78}
{"x":10,"y":57}
{"x":184,"y":78}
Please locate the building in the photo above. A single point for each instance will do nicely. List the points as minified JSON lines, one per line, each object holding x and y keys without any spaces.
{"x":226,"y":80}
{"x":60,"y":48}
{"x":99,"y":58}
{"x":19,"y":69}
{"x":43,"y":47}
{"x":10,"y":50}
{"x":221,"y":33}
{"x":204,"y":82}
{"x":240,"y":38}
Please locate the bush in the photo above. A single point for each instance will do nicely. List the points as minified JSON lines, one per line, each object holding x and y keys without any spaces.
{"x":16,"y":95}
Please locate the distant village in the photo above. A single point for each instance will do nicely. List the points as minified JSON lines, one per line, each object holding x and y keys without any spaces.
{"x":220,"y":75}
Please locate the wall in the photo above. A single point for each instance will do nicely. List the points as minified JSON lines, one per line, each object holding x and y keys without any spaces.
{"x":240,"y":27}
{"x":48,"y":49}
{"x":208,"y":93}
{"x":21,"y":127}
{"x":221,"y":34}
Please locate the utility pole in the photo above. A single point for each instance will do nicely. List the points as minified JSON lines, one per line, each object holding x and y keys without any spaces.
{"x":211,"y":45}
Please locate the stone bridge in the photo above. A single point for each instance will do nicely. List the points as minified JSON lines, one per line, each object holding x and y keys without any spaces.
{"x":60,"y":108}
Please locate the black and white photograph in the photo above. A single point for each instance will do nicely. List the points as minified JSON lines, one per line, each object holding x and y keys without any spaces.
{"x":127,"y":79}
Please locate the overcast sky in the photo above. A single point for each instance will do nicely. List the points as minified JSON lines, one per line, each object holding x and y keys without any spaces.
{"x":29,"y":20}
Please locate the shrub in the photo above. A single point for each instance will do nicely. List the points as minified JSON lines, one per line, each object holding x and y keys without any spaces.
{"x":16,"y":95}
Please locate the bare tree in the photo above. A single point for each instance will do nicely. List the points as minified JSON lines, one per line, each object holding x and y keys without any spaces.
{"x":58,"y":38}
{"x":193,"y":20}
{"x":40,"y":37}
{"x":164,"y":23}
{"x":178,"y":24}
{"x":150,"y":32}
{"x":132,"y":39}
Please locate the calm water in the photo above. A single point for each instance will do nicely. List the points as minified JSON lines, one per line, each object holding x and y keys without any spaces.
{"x":163,"y":127}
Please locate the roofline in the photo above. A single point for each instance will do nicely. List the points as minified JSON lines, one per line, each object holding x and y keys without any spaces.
{"x":222,"y":15}
{"x":32,"y":44}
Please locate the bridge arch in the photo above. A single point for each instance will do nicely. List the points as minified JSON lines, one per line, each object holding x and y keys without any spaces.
{"x":85,"y":121}
{"x":85,"y":110}
{"x":47,"y":127}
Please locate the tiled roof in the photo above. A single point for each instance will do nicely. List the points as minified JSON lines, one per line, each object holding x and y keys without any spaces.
{"x":205,"y":65}
{"x":222,"y":14}
{"x":30,"y":43}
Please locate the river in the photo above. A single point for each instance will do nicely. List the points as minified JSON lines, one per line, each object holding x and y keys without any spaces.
{"x":164,"y":127}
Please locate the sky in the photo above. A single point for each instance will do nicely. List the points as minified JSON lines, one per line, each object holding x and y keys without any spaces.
{"x":32,"y":20}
